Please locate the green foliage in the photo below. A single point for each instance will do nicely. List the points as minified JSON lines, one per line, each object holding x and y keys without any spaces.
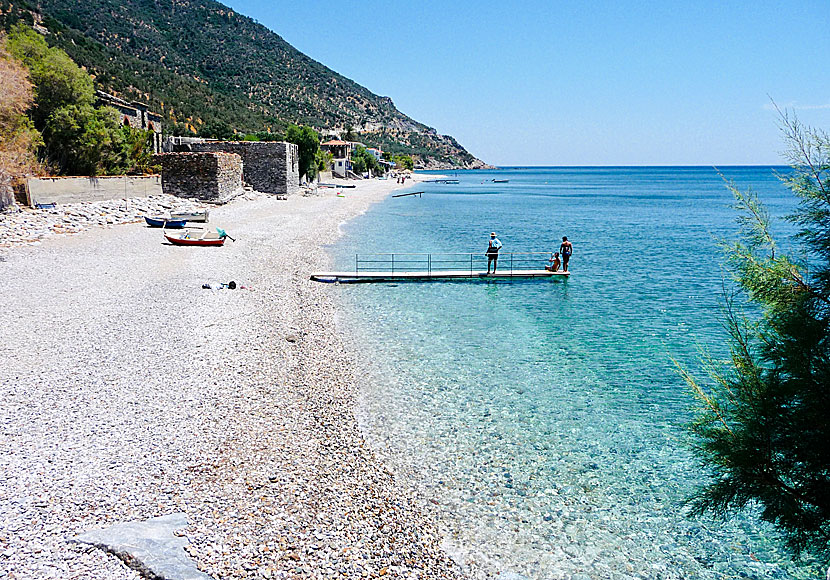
{"x":403,"y":162}
{"x":77,"y":137}
{"x":83,"y":140}
{"x":58,"y":80}
{"x":358,"y":162}
{"x":324,"y":160}
{"x":349,"y":135}
{"x":308,"y":144}
{"x":217,"y":130}
{"x":363,"y":161}
{"x":763,"y":429}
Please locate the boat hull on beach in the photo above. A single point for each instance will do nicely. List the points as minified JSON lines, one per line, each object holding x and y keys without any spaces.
{"x":192,"y":216}
{"x":161,"y":222}
{"x":195,"y":238}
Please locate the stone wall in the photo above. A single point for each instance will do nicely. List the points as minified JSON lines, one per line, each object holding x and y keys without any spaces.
{"x":83,"y":189}
{"x":208,"y":177}
{"x":268,"y":166}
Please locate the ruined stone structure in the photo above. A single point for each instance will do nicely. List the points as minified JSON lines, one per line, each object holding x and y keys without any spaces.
{"x":136,"y":115}
{"x":209,"y":177}
{"x":268,"y":166}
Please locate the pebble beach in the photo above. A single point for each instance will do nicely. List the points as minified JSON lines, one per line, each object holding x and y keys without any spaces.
{"x":130,"y":392}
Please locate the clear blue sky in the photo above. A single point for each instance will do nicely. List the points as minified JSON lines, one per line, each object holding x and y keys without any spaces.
{"x":580,"y":83}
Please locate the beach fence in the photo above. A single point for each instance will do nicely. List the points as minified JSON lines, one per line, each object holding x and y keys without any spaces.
{"x":436,"y":264}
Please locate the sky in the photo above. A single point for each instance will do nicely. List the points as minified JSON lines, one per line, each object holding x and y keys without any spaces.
{"x":580,"y":83}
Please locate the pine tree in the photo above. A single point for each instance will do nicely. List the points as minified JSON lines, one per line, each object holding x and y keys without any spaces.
{"x":763,"y":428}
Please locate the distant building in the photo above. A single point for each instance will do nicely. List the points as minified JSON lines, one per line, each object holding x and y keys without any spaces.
{"x":376,"y":153}
{"x":136,"y":115}
{"x":341,"y":152}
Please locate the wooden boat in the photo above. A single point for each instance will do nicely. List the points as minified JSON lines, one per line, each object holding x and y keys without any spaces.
{"x":163,"y":222}
{"x":191,"y":216}
{"x":346,"y":186}
{"x":501,"y":181}
{"x":196,"y":238}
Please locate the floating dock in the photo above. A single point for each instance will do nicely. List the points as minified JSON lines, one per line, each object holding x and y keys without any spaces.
{"x":434,"y":276}
{"x":441,"y":267}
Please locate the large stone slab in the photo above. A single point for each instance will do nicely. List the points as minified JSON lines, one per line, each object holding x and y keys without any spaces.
{"x":149,"y":547}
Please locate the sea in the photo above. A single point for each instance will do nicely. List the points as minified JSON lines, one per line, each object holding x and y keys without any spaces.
{"x":545,"y":421}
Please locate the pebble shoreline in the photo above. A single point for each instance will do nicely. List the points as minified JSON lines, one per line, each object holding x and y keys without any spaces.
{"x":27,"y":225}
{"x":130,"y":392}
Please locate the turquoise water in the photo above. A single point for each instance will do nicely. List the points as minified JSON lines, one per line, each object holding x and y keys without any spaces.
{"x":545,"y":418}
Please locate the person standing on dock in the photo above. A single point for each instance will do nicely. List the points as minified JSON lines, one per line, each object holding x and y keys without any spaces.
{"x":566,"y":249}
{"x":493,"y":247}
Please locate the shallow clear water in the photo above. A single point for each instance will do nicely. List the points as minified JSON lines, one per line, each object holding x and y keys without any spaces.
{"x":546,"y":417}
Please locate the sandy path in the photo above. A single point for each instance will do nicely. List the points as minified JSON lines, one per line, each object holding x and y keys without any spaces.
{"x":129,"y":392}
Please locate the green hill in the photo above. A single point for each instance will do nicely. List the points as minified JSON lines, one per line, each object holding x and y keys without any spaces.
{"x":203,"y":66}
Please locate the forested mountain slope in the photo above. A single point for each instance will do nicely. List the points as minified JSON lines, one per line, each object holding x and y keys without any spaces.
{"x":204,"y":66}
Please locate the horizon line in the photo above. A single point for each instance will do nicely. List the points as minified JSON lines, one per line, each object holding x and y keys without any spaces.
{"x":496,"y":167}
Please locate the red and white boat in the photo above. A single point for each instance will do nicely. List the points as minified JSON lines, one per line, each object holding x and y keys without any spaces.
{"x":196,"y":238}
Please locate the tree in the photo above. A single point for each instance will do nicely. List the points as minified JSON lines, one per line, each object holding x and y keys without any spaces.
{"x":762,"y":430}
{"x":83,"y":140}
{"x":77,"y":137}
{"x":358,"y":163}
{"x":308,"y":143}
{"x":18,"y":137}
{"x":217,"y":130}
{"x":403,"y":162}
{"x":363,"y":161}
{"x":323,"y":160}
{"x":59,"y":81}
{"x":349,"y":135}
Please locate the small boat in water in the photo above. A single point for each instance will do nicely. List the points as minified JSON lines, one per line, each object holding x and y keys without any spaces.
{"x":191,"y":216}
{"x":197,"y":238}
{"x":501,"y":181}
{"x":163,"y":222}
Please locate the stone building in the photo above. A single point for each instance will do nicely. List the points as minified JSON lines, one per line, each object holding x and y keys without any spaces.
{"x":210,"y":177}
{"x":136,"y":115}
{"x":267,"y":166}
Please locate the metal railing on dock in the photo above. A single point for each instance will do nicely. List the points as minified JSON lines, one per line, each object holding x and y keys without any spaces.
{"x":429,"y":263}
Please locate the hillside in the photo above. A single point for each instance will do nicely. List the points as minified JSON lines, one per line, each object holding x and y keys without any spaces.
{"x":202,"y":65}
